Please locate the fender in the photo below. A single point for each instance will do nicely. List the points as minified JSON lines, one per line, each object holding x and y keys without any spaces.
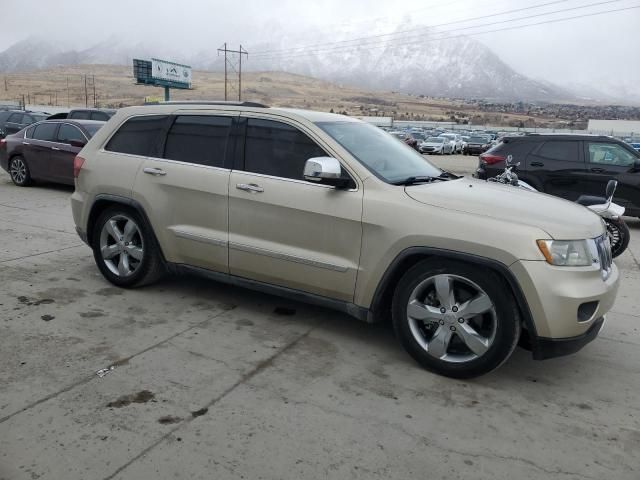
{"x":500,"y":268}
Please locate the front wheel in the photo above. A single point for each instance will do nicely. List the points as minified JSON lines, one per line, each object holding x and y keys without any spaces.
{"x":619,"y":236}
{"x":455,"y":319}
{"x":19,"y":171}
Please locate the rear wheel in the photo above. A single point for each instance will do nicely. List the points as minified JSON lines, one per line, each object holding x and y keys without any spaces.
{"x":19,"y":171}
{"x":125,"y":248}
{"x":455,"y":319}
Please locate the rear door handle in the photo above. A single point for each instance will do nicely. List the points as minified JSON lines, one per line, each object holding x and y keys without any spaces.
{"x":250,"y":187}
{"x":537,"y":164}
{"x":597,"y":170}
{"x":158,"y":172}
{"x":55,"y":148}
{"x":26,"y":143}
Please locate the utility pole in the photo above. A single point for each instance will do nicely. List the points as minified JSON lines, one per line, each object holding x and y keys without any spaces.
{"x":86,"y":95}
{"x":229,"y":63}
{"x":5,"y":83}
{"x":94,"y":91}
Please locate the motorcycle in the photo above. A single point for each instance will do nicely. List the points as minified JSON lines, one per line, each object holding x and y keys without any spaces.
{"x":611,"y":213}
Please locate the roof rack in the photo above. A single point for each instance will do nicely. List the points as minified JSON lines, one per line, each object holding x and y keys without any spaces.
{"x":217,"y":102}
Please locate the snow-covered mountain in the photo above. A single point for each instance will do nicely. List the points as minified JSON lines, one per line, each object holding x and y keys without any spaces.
{"x":455,"y":67}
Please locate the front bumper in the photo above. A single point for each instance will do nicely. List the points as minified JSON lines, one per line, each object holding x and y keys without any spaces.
{"x":567,"y":304}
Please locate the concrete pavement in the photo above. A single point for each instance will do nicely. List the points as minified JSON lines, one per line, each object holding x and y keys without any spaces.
{"x":212,"y":381}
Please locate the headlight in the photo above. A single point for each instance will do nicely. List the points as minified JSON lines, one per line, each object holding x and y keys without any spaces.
{"x":568,"y":253}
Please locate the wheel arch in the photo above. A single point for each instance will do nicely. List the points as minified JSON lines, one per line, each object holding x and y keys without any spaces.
{"x":381,"y":303}
{"x":104,"y":201}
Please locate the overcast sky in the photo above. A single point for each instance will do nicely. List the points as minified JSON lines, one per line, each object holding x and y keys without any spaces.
{"x":588,"y":50}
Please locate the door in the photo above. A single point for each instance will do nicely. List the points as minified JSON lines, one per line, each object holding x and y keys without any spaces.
{"x":284,"y":230}
{"x":610,"y":160}
{"x":63,"y":153}
{"x":37,"y":150}
{"x":185,"y":190}
{"x":556,"y":167}
{"x":14,"y":123}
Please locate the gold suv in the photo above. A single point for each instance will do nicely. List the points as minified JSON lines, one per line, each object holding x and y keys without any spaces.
{"x":327,"y":209}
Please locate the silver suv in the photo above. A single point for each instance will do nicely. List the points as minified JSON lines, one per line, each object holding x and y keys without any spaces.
{"x":330,"y":210}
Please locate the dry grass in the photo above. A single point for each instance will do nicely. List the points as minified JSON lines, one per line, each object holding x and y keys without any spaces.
{"x":115,"y":87}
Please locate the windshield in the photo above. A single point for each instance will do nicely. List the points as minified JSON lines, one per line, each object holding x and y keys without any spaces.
{"x":385,"y":157}
{"x":38,"y":117}
{"x":91,"y":129}
{"x":450,"y":137}
{"x":435,"y":140}
{"x":477,"y":140}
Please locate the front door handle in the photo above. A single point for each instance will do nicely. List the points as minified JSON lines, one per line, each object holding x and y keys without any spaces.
{"x":250,"y":187}
{"x":55,"y":148}
{"x":158,"y":172}
{"x":537,"y":164}
{"x":597,"y":170}
{"x":26,"y":143}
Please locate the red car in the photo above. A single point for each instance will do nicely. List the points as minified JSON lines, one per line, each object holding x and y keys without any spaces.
{"x":45,"y":150}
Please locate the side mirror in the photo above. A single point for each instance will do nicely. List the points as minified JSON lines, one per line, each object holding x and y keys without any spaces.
{"x":611,"y":189}
{"x":636,"y":165}
{"x":325,"y":170}
{"x":77,"y":143}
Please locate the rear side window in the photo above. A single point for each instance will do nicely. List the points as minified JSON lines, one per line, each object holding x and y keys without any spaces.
{"x":67,"y":133}
{"x":198,"y":139}
{"x":103,"y":117}
{"x":45,"y":131}
{"x":277,"y":149}
{"x":15,"y":118}
{"x":556,"y":150}
{"x":29,"y":132}
{"x":138,"y":135}
{"x":79,"y":115}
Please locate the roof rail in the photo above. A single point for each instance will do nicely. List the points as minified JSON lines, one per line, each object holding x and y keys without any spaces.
{"x":215,"y":102}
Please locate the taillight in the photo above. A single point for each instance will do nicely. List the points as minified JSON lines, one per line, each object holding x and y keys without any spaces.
{"x":78,"y":161}
{"x":491,"y":158}
{"x":3,"y":142}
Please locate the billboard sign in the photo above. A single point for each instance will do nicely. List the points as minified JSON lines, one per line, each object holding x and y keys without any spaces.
{"x":171,"y":72}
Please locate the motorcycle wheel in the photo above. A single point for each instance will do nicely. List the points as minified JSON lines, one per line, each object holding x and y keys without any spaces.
{"x":619,"y":236}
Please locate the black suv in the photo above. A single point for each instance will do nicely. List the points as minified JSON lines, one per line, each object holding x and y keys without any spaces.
{"x":570,"y":165}
{"x":12,"y":121}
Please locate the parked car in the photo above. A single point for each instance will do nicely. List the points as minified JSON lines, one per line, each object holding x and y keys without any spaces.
{"x":438,"y":145}
{"x":476,"y":146}
{"x":456,"y":141}
{"x":45,"y":150}
{"x":570,"y":165}
{"x":301,"y":204}
{"x":101,"y":114}
{"x":12,"y":121}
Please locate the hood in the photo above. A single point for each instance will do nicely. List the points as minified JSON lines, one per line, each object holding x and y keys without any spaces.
{"x":561,"y":219}
{"x":432,"y":144}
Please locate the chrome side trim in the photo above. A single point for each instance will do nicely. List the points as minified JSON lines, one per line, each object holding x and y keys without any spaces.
{"x":284,"y":256}
{"x":199,"y":238}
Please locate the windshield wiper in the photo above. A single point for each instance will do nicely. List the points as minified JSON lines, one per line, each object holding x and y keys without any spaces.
{"x":448,"y":175}
{"x":414,"y":180}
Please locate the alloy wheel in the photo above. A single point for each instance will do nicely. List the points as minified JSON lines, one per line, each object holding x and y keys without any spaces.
{"x":452,"y":318}
{"x":18,"y":170}
{"x":121,"y":245}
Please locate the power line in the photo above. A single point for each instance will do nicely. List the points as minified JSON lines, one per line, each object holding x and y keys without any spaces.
{"x":230,"y":64}
{"x":422,"y":39}
{"x":382,"y":35}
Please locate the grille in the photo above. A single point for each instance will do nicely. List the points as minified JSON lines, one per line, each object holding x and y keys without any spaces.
{"x":604,"y":255}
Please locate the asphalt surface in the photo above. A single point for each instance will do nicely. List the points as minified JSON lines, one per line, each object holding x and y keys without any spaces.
{"x":211,"y":381}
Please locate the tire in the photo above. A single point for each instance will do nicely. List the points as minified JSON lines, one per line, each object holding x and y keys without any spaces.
{"x":619,"y":236}
{"x":19,"y":172}
{"x":132,"y":260}
{"x":436,"y":340}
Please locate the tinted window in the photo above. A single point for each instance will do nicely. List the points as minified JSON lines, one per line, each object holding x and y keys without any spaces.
{"x":66,"y":133}
{"x":138,"y":135}
{"x":15,"y":118}
{"x":567,"y":151}
{"x":92,"y":128}
{"x":198,"y":139}
{"x":34,"y":118}
{"x":610,"y":154}
{"x":4,"y":116}
{"x":103,"y":117}
{"x":45,"y":131}
{"x":29,"y":132}
{"x":79,"y":115}
{"x":274,"y":148}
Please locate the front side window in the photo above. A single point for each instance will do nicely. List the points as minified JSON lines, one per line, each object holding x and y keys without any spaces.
{"x":277,"y":149}
{"x":101,"y":116}
{"x":200,"y":139}
{"x":68,"y":133}
{"x":15,"y":118}
{"x":610,"y":154}
{"x":557,"y":150}
{"x":45,"y":131}
{"x":138,"y":135}
{"x":379,"y":152}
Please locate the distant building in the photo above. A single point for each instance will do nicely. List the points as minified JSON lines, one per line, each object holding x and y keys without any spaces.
{"x":614,"y":127}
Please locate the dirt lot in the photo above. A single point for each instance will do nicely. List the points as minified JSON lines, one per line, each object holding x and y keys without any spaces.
{"x":212,"y":381}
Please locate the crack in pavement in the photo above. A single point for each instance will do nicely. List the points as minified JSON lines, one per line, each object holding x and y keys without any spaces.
{"x":243,"y":379}
{"x":40,"y":227}
{"x":93,"y":376}
{"x":42,"y":253}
